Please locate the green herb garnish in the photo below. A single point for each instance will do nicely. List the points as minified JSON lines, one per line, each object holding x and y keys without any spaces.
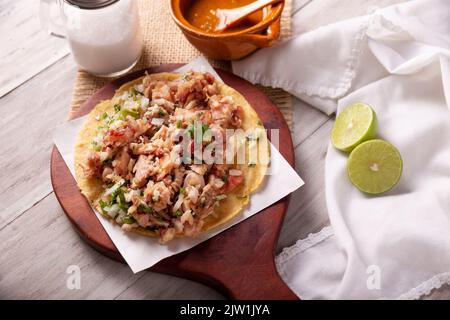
{"x":221,"y":197}
{"x":96,"y":146}
{"x":145,"y":209}
{"x":117,"y":107}
{"x":178,"y":213}
{"x":205,"y":127}
{"x":127,"y":112}
{"x":134,"y":94}
{"x":103,"y":205}
{"x":128,"y":220}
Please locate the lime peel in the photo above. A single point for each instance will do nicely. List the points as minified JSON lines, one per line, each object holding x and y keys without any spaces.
{"x":375,"y":166}
{"x":355,"y":124}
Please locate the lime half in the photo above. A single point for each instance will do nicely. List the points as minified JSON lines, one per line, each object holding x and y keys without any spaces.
{"x":375,"y":166}
{"x":355,"y":124}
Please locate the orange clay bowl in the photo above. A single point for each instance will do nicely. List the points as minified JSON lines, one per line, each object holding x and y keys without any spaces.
{"x":230,"y":45}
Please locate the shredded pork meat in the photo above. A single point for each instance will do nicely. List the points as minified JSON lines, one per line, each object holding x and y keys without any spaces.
{"x":150,"y":180}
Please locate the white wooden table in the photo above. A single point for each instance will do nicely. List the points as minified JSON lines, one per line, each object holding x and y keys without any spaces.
{"x":37,"y":242}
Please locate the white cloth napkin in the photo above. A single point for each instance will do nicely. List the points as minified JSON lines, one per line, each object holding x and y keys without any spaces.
{"x":397,"y":59}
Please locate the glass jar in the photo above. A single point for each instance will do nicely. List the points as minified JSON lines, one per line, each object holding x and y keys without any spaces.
{"x":104,"y":35}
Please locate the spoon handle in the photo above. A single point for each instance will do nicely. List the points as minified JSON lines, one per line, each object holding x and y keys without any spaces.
{"x":229,"y":17}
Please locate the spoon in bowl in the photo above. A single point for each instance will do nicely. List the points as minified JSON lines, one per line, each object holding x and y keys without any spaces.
{"x":229,"y":17}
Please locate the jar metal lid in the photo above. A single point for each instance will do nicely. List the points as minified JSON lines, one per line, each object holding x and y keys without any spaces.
{"x":91,"y":4}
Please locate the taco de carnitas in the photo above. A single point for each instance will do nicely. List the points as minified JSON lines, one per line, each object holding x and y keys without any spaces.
{"x":164,"y":158}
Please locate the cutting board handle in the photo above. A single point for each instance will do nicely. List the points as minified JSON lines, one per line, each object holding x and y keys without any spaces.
{"x":246,"y":287}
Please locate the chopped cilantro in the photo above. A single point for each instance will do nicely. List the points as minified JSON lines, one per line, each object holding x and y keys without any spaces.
{"x":144,"y":208}
{"x":178,"y":213}
{"x":117,"y":107}
{"x":103,"y":205}
{"x":127,"y":112}
{"x":128,"y":220}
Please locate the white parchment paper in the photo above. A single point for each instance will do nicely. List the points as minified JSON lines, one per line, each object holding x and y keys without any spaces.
{"x":142,"y":252}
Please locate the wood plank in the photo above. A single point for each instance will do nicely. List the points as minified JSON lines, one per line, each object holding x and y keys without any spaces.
{"x":26,"y":50}
{"x":40,"y":105}
{"x":39,"y":246}
{"x":157,"y":286}
{"x":306,"y":120}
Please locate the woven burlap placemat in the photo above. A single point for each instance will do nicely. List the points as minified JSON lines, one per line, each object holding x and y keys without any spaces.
{"x":165,"y":43}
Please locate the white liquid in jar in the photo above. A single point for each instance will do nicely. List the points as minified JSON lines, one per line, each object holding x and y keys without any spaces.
{"x":105,"y":41}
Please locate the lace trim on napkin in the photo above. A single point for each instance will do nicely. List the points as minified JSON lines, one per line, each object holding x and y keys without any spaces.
{"x":426,"y":287}
{"x":300,"y":246}
{"x":323,"y":92}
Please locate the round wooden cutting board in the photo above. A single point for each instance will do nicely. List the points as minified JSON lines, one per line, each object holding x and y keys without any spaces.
{"x":238,"y":262}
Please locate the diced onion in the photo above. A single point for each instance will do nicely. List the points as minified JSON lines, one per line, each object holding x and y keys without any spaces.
{"x":113,"y":210}
{"x":234,"y":172}
{"x":218,"y":183}
{"x":120,"y":217}
{"x":187,"y":217}
{"x":130,"y":104}
{"x":114,"y":188}
{"x":144,"y":102}
{"x":104,"y":156}
{"x":156,"y":195}
{"x":193,"y":194}
{"x":178,"y":204}
{"x":157,"y":121}
{"x":125,"y":96}
{"x":139,"y":88}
